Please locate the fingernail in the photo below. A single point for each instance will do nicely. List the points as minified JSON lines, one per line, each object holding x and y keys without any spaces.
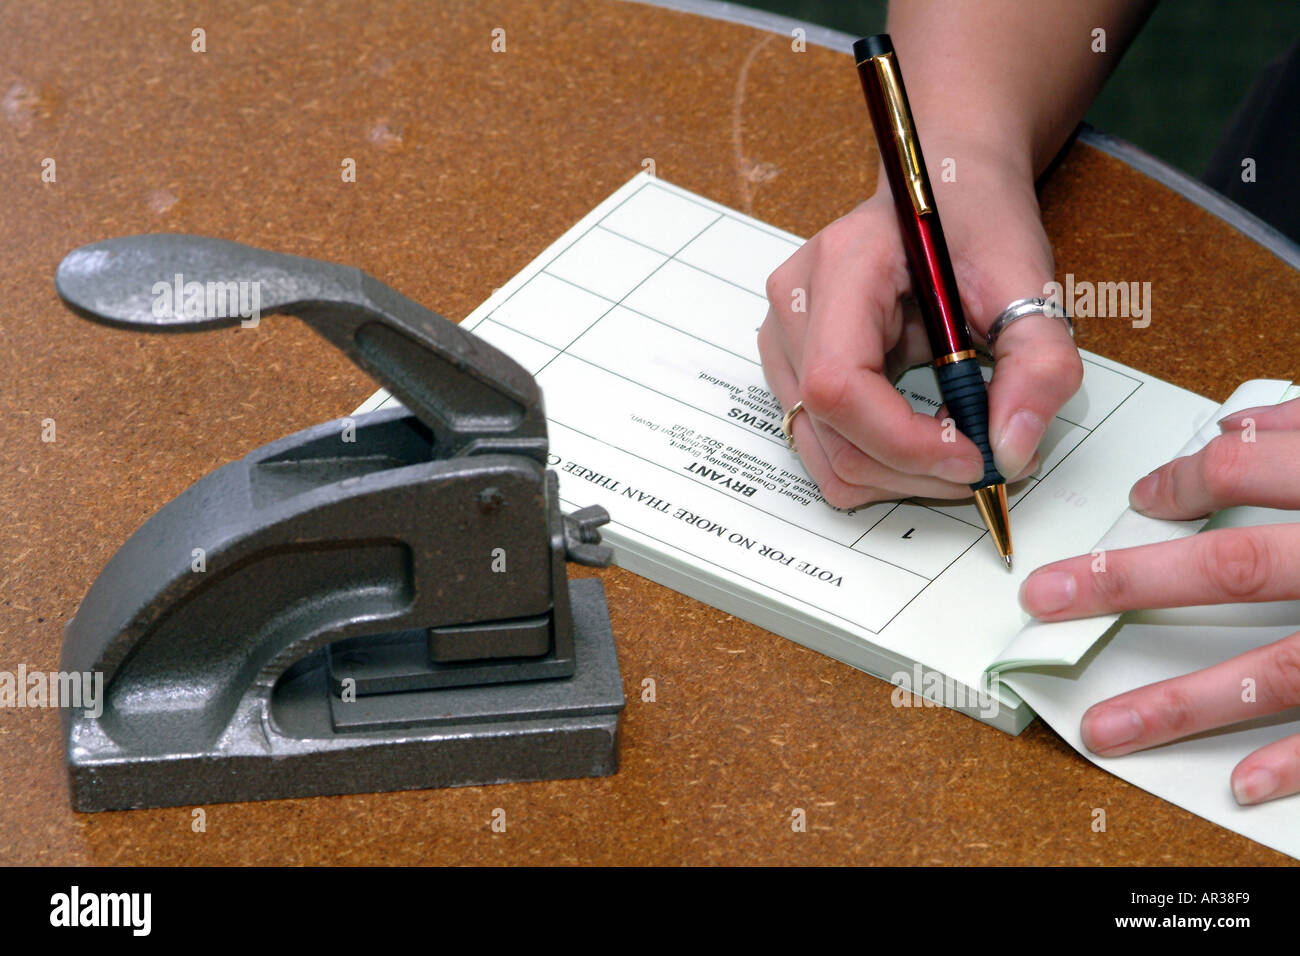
{"x":1109,"y":728}
{"x":1255,"y":787}
{"x":1033,"y":465}
{"x":963,"y":471}
{"x":1143,"y":495}
{"x":1017,"y":442}
{"x":1048,"y":592}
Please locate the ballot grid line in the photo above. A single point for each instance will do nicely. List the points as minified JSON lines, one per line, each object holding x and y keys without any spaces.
{"x":690,"y":265}
{"x":645,"y":315}
{"x":515,"y":291}
{"x":603,"y":315}
{"x":719,"y":214}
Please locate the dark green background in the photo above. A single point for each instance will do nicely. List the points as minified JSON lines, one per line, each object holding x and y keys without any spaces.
{"x":1177,"y":85}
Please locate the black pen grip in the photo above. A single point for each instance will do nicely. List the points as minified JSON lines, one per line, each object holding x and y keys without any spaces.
{"x":967,"y":398}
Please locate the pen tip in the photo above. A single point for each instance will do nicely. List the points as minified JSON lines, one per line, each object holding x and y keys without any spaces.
{"x":1007,"y":559}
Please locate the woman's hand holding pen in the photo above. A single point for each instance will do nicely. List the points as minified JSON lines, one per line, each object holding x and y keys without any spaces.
{"x":1230,"y":565}
{"x":997,"y":93}
{"x":839,"y":330}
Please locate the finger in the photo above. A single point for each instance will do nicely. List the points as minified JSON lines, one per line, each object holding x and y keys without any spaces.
{"x":1265,"y":417}
{"x":846,"y":477}
{"x":841,"y":370}
{"x":1226,"y":472}
{"x":787,"y":315}
{"x":849,"y":464}
{"x":781,"y":380}
{"x":844,"y":274}
{"x":913,"y":345}
{"x":1270,"y":772}
{"x":1216,"y":567}
{"x":863,"y":406}
{"x":860,"y":473}
{"x":853,"y":467}
{"x":837,"y":492}
{"x":1037,"y":371}
{"x":775,"y":359}
{"x":1031,"y":466}
{"x":1196,"y":702}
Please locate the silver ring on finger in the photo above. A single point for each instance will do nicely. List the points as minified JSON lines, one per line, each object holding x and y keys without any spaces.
{"x":1024,"y":307}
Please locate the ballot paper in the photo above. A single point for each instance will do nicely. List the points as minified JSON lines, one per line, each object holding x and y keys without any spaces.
{"x":640,"y":327}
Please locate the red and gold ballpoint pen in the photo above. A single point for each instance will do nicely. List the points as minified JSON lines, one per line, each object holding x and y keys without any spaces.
{"x":934,"y":285}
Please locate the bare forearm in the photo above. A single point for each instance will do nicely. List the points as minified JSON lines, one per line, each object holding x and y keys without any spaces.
{"x":1010,"y":78}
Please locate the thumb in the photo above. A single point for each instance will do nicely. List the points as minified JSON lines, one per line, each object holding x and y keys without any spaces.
{"x":1036,"y":370}
{"x":1266,"y":417}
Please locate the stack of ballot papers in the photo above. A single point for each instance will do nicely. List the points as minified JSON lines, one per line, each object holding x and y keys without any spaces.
{"x":640,"y":326}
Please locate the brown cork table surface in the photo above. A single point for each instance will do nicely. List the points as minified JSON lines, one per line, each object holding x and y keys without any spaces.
{"x":469,"y":163}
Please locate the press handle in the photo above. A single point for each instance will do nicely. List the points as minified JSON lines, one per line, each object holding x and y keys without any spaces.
{"x":471,"y":395}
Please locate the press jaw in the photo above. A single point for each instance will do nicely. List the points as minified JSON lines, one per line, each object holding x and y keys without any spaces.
{"x":381,"y":602}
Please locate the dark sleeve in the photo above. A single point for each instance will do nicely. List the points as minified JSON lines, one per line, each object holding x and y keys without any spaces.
{"x":1265,"y":128}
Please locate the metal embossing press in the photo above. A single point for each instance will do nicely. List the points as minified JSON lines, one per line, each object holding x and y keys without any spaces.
{"x":377,"y":603}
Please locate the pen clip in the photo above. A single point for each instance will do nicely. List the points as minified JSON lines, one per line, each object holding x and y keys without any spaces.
{"x":900,"y":119}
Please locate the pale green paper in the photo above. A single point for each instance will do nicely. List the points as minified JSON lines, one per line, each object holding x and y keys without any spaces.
{"x":1063,"y":643}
